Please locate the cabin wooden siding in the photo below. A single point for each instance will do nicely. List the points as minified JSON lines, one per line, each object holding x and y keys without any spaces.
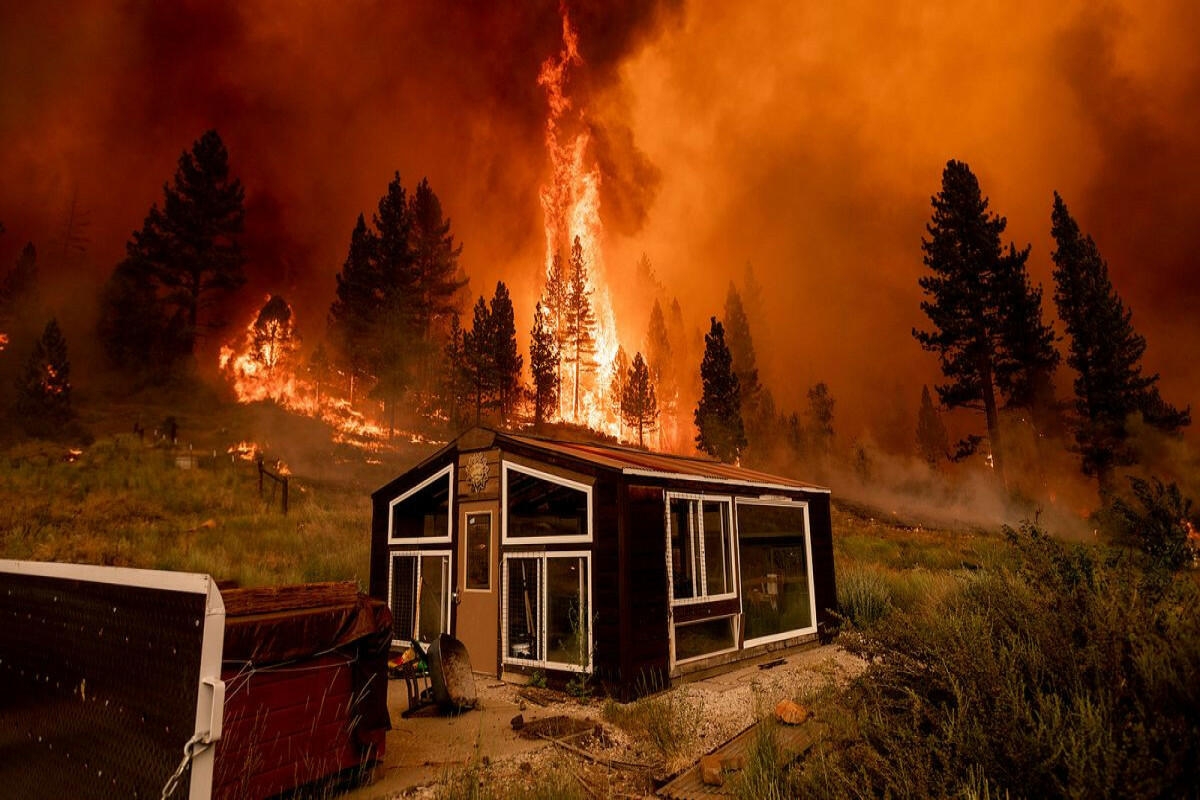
{"x":629,"y":605}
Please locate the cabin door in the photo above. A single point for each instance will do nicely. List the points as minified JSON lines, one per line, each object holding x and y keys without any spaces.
{"x":477,"y":589}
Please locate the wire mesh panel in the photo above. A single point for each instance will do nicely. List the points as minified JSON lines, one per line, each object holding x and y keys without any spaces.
{"x":101,"y":675}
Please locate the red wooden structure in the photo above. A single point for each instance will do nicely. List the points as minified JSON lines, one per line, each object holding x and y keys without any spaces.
{"x":305,"y":669}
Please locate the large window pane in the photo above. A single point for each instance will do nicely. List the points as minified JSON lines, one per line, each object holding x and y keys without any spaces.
{"x":538,"y":507}
{"x":404,"y":594}
{"x":567,"y":613}
{"x":434,"y":586}
{"x":479,"y":551}
{"x":774,"y":570}
{"x":718,"y":560}
{"x":522,"y":598}
{"x":684,"y":556}
{"x":425,"y":513}
{"x":697,"y":639}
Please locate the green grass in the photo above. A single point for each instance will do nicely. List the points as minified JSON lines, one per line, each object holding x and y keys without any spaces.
{"x":122,"y":502}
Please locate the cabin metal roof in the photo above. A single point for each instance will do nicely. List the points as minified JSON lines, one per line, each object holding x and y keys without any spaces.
{"x":644,"y":463}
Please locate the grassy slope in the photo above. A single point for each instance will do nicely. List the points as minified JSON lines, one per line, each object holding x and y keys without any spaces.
{"x":124,"y":501}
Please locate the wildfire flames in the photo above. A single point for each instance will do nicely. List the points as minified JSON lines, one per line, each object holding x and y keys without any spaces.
{"x":571,"y":211}
{"x":264,"y":364}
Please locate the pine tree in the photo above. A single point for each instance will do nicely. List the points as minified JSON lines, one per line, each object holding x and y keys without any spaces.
{"x":581,"y":323}
{"x":932,"y":442}
{"x":133,"y":327}
{"x":616,"y":387}
{"x":554,"y":299}
{"x":438,"y":281}
{"x":639,"y":406}
{"x":43,"y":401}
{"x":1105,"y":352}
{"x":273,"y":338}
{"x":506,"y":360}
{"x":357,"y":304}
{"x":456,"y":385}
{"x":986,"y":318}
{"x":478,"y":359}
{"x":1026,"y":358}
{"x":658,"y":350}
{"x":820,"y":418}
{"x":719,"y":413}
{"x":543,"y":364}
{"x":189,"y":248}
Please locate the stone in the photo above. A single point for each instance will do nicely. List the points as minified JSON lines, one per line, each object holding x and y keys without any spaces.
{"x":790,"y":713}
{"x":517,"y":722}
{"x":710,"y":770}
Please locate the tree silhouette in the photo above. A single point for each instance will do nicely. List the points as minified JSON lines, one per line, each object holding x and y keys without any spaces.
{"x":506,"y":360}
{"x":543,"y":364}
{"x":478,"y":360}
{"x":581,"y":322}
{"x":820,"y":418}
{"x":189,"y":248}
{"x":986,"y":317}
{"x":356,"y":305}
{"x":932,"y":442}
{"x":43,"y":401}
{"x":273,"y":337}
{"x":616,"y":387}
{"x":456,"y":379}
{"x":719,"y":413}
{"x":1105,"y":352}
{"x":318,"y":369}
{"x":639,"y":407}
{"x":554,"y":300}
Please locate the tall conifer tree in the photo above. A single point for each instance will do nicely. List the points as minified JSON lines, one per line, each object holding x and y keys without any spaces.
{"x":1105,"y":352}
{"x":719,"y":414}
{"x":987,"y":328}
{"x":581,"y":323}
{"x":506,"y":360}
{"x":543,"y":364}
{"x":639,"y":406}
{"x":932,"y":442}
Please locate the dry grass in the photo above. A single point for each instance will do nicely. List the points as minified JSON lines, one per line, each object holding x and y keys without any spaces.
{"x":122,"y":502}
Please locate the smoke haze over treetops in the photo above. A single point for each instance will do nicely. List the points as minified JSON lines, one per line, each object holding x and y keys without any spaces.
{"x":804,"y":138}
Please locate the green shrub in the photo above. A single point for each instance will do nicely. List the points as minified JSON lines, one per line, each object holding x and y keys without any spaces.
{"x":863,"y":595}
{"x":1068,"y":675}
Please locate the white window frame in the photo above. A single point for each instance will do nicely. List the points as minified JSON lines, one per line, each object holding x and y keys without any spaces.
{"x":543,"y":590}
{"x":446,"y":472}
{"x":812,"y":589}
{"x":698,"y":543}
{"x":509,"y":466}
{"x":466,"y":513}
{"x":447,"y":599}
{"x":734,"y":626}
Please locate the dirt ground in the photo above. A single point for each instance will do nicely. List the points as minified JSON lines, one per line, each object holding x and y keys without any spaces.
{"x":422,"y":750}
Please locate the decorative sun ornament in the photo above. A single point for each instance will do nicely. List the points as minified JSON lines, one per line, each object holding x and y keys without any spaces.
{"x":478,"y":472}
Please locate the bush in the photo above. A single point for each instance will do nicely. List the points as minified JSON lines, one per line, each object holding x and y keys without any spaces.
{"x":1067,"y":676}
{"x":1159,"y":528}
{"x":863,"y":595}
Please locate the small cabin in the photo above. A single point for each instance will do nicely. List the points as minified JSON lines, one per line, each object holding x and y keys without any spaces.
{"x":570,"y":557}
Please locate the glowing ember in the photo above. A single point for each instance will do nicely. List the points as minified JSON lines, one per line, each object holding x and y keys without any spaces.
{"x":3,"y":341}
{"x":246,"y":451}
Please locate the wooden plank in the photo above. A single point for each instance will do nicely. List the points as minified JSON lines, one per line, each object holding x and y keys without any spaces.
{"x":272,"y":599}
{"x":793,"y":741}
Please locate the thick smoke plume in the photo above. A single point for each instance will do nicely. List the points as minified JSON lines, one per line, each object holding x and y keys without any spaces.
{"x":804,"y":138}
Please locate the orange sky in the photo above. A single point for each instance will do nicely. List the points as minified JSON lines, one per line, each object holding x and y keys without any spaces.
{"x":805,"y":138}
